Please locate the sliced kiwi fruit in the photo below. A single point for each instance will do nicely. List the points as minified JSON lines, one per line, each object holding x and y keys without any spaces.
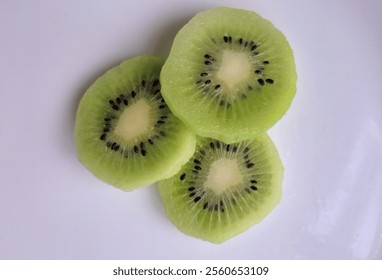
{"x":224,"y":189}
{"x":230,"y":74}
{"x":124,"y":132}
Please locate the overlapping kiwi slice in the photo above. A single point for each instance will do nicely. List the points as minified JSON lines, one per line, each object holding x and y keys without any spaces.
{"x":224,"y":188}
{"x":230,"y":74}
{"x":124,"y":132}
{"x":229,"y":77}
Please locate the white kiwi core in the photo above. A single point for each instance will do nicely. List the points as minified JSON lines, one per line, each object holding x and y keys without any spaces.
{"x":235,"y":68}
{"x":135,"y":121}
{"x":223,"y":174}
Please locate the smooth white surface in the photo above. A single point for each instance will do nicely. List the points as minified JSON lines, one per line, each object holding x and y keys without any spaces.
{"x":330,"y":141}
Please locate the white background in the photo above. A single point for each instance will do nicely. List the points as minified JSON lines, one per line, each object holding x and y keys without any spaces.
{"x":330,"y":141}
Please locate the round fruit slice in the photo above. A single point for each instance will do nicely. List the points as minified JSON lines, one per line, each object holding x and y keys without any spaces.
{"x":125,"y":134}
{"x":224,"y":189}
{"x":230,"y":74}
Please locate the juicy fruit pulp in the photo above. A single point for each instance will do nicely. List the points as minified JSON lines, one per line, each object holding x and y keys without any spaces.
{"x":124,"y":132}
{"x":224,"y":189}
{"x":230,"y":75}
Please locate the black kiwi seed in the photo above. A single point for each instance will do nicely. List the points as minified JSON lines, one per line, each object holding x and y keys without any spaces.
{"x":258,"y":72}
{"x":162,"y":106}
{"x":197,"y":167}
{"x":261,"y":81}
{"x":196,"y":199}
{"x":253,"y":47}
{"x":111,"y":102}
{"x":155,"y":82}
{"x":253,"y":181}
{"x":115,"y":107}
{"x":183,"y":176}
{"x":253,"y":188}
{"x":191,"y":194}
{"x":197,"y":161}
{"x":108,"y":144}
{"x":228,"y":147}
{"x":269,"y":81}
{"x":106,"y":130}
{"x":225,"y":38}
{"x":150,"y":142}
{"x":207,"y":62}
{"x":245,"y":150}
{"x":205,"y":205}
{"x":191,"y":189}
{"x":119,"y":100}
{"x":143,"y":151}
{"x":204,"y":74}
{"x":234,"y":149}
{"x":265,"y":62}
{"x":133,"y":94}
{"x":241,"y":41}
{"x":212,"y":145}
{"x":136,"y":150}
{"x":143,"y":83}
{"x":207,"y":82}
{"x":218,"y":145}
{"x":103,"y":136}
{"x":113,"y":145}
{"x":217,"y":86}
{"x":250,"y":165}
{"x":125,"y":102}
{"x":107,"y":119}
{"x":208,"y":56}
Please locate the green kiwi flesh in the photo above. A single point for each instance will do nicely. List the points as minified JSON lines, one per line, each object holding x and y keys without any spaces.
{"x":224,"y":189}
{"x":124,"y":132}
{"x":230,"y":74}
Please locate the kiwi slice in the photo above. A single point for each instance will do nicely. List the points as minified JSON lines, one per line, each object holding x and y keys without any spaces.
{"x":124,"y":132}
{"x":224,"y":189}
{"x":230,"y":74}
